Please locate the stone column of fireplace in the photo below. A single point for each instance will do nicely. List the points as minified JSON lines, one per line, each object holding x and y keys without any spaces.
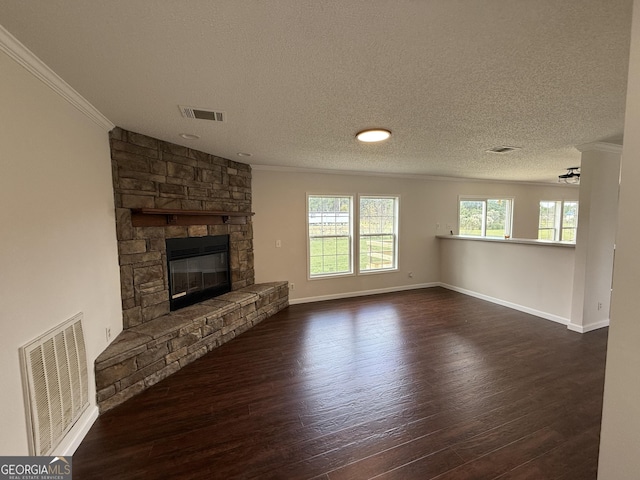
{"x":150,"y":173}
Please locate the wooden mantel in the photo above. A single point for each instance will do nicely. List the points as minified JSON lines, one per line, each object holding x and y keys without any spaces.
{"x":159,"y":217}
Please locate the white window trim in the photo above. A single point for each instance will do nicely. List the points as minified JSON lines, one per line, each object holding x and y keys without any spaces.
{"x":352,"y":239}
{"x":354,"y":236}
{"x":396,"y":228}
{"x":485,"y":198}
{"x":559,"y":221}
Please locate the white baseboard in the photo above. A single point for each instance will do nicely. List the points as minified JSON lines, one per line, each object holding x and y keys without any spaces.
{"x":361,"y":293}
{"x":521,"y":308}
{"x":72,"y":440}
{"x":504,"y":303}
{"x":588,"y":328}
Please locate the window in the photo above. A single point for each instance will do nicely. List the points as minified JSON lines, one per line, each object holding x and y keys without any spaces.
{"x":558,"y":221}
{"x":333,"y":245}
{"x":378,"y":233}
{"x":485,"y":217}
{"x":330,"y":235}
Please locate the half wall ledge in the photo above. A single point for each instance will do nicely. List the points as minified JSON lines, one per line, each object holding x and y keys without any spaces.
{"x":143,"y":355}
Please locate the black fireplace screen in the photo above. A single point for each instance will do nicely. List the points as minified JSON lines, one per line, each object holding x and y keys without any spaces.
{"x":198,"y":269}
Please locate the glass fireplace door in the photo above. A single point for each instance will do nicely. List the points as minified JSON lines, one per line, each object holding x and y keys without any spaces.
{"x":195,"y":274}
{"x":198,"y":269}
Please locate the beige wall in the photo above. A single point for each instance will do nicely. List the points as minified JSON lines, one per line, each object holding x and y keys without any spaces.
{"x":536,"y":279}
{"x":58,"y":248}
{"x":279,"y":199}
{"x":620,"y":436}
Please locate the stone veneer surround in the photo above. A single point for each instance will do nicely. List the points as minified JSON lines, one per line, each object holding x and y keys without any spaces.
{"x":150,"y":173}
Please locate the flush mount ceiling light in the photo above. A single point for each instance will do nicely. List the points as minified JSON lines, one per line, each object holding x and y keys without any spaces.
{"x":243,"y":154}
{"x":572,"y":176}
{"x":502,"y":149}
{"x":373,"y":135}
{"x":189,"y":136}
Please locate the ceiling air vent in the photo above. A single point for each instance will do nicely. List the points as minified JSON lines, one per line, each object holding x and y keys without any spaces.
{"x":202,"y":114}
{"x":503,"y":149}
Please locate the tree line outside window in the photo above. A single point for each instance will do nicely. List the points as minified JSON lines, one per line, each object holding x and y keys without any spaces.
{"x":485,"y":217}
{"x":493,"y":217}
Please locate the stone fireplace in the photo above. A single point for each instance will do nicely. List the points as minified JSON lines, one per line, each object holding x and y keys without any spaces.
{"x":155,"y":175}
{"x":173,"y":207}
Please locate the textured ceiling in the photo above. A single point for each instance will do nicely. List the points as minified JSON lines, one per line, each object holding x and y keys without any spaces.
{"x":298,"y":78}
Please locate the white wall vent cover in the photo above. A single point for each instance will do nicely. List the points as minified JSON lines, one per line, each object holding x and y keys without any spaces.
{"x":202,"y":114}
{"x":54,"y":378}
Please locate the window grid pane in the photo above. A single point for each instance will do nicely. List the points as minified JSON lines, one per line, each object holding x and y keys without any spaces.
{"x":471,"y":217}
{"x":569,"y":221}
{"x":377,"y":244}
{"x":329,"y":223}
{"x":377,"y":252}
{"x":569,"y":234}
{"x":548,"y":221}
{"x":558,"y":221}
{"x":497,"y":218}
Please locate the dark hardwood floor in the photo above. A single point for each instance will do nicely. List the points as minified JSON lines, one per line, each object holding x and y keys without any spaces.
{"x":413,"y":385}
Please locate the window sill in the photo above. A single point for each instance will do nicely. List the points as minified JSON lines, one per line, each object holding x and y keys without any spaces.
{"x":524,"y":241}
{"x":376,"y":272}
{"x":353,"y":274}
{"x":331,"y":275}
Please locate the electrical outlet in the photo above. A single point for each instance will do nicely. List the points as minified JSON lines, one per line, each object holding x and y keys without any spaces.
{"x":599,"y":305}
{"x":278,"y":243}
{"x":107,"y":332}
{"x":410,"y":274}
{"x":292,"y":286}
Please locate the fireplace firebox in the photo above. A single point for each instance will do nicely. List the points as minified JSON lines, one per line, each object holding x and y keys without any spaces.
{"x":198,"y":269}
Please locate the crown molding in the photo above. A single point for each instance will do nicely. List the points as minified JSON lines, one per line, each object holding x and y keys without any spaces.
{"x":24,"y":57}
{"x":410,"y":176}
{"x":600,"y":147}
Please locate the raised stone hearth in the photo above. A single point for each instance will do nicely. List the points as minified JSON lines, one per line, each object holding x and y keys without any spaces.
{"x":143,"y":355}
